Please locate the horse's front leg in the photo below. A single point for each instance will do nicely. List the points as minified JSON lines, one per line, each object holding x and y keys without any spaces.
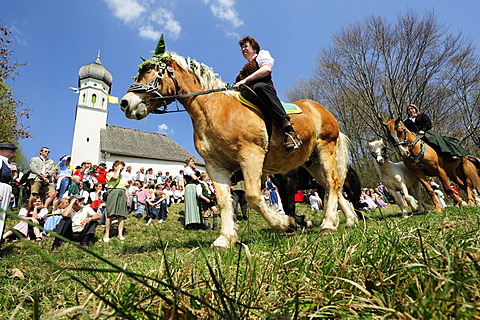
{"x":228,"y":231}
{"x":252,"y":171}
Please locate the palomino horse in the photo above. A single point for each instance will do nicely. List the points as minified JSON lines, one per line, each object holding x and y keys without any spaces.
{"x":232,"y":137}
{"x":422,"y":160}
{"x":400,"y":181}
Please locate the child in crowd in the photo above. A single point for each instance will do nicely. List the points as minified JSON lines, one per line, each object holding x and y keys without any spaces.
{"x":54,"y":218}
{"x":158,"y":207}
{"x":315,"y":201}
{"x":34,"y":212}
{"x":206,"y":195}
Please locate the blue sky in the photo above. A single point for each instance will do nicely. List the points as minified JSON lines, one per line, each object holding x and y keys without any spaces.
{"x":57,"y":37}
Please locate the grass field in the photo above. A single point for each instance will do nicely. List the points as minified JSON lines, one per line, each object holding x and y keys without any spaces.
{"x":422,"y":267}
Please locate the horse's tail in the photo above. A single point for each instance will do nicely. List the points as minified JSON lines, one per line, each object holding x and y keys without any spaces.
{"x":342,"y":156}
{"x":472,"y":170}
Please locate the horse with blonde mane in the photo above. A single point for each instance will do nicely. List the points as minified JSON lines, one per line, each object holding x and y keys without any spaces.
{"x":422,"y":160}
{"x":231,"y":137}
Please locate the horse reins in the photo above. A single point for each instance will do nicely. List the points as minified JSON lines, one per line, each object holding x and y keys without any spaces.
{"x":418,"y":138}
{"x":151,"y":87}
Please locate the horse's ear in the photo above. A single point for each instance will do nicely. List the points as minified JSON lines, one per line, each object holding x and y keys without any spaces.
{"x":160,"y":49}
{"x":398,"y":120}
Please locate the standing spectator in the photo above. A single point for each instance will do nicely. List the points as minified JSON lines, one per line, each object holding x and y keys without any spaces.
{"x":64,"y":175}
{"x":238,"y":197}
{"x":131,"y":191}
{"x":7,"y":153}
{"x":117,"y":200}
{"x":78,"y":223}
{"x":274,"y":197}
{"x":102,"y":174}
{"x":383,"y":191}
{"x":206,"y":195}
{"x":128,"y":174}
{"x":192,"y":212}
{"x":142,"y":195}
{"x":41,"y":176}
{"x":180,"y":180}
{"x":141,"y":176}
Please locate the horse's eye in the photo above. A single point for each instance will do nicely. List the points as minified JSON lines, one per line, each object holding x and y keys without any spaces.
{"x":147,"y":68}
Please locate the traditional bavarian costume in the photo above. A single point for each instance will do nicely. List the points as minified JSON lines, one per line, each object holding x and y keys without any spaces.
{"x":265,"y":91}
{"x":448,"y":147}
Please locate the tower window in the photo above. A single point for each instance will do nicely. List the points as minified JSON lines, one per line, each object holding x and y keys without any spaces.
{"x":84,"y":98}
{"x":88,"y":139}
{"x":94,"y":99}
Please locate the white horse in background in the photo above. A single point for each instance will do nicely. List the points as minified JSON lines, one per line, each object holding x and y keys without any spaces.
{"x":398,"y":179}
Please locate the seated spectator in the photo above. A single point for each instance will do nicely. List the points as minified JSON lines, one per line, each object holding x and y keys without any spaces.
{"x":74,"y":187}
{"x":142,"y":195}
{"x":82,"y":192}
{"x":160,"y":177}
{"x":128,"y":174}
{"x":315,"y":200}
{"x":157,"y":207}
{"x":377,"y":197}
{"x":365,"y":198}
{"x":78,"y":223}
{"x":54,"y":218}
{"x":101,"y":174}
{"x":34,"y":212}
{"x":150,"y":177}
{"x":177,"y":196}
{"x":169,"y":193}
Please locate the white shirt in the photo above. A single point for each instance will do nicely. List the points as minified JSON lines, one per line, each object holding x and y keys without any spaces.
{"x":79,"y":216}
{"x":264,"y":57}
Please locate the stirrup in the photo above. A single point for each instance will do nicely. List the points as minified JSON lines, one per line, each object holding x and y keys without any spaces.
{"x":291,"y":141}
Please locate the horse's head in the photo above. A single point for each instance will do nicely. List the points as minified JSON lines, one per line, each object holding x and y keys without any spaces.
{"x":154,"y":81}
{"x":378,"y":151}
{"x":397,"y":133}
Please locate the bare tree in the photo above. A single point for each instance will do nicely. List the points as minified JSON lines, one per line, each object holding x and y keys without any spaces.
{"x":375,"y":68}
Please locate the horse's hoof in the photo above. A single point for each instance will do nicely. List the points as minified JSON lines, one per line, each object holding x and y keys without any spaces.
{"x":221,"y":243}
{"x":292,"y":226}
{"x":327,"y":231}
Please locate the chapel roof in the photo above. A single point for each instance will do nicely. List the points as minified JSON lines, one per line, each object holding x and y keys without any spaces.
{"x":95,"y":70}
{"x":144,"y":144}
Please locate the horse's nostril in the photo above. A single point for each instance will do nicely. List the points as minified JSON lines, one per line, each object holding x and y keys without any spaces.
{"x":123,"y":104}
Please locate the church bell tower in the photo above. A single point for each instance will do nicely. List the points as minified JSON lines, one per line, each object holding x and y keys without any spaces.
{"x":94,"y":83}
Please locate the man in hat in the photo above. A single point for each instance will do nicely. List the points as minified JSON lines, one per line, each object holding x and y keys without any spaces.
{"x":41,"y":176}
{"x":78,"y":223}
{"x":447,"y":147}
{"x":7,"y":153}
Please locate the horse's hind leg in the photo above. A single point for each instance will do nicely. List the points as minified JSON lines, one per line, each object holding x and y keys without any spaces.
{"x":325,"y":172}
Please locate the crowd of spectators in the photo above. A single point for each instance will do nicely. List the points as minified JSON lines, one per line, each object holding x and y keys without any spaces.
{"x":73,"y":201}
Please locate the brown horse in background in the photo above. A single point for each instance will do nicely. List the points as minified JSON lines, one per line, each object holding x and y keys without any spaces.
{"x":424,"y":161}
{"x":232,"y":137}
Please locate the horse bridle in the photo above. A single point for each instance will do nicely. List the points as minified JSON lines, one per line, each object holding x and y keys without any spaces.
{"x":418,"y":138}
{"x":151,"y":88}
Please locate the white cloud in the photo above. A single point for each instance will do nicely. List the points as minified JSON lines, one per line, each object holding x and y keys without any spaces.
{"x":166,"y":19}
{"x":164,"y":129}
{"x":138,"y":14}
{"x":147,"y":32}
{"x":126,"y":10}
{"x":224,"y":10}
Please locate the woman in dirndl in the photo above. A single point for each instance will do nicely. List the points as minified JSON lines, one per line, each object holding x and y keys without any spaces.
{"x":117,"y":200}
{"x":193,"y":219}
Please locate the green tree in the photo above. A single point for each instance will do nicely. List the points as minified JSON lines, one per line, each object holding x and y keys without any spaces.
{"x":11,"y":109}
{"x":375,"y":68}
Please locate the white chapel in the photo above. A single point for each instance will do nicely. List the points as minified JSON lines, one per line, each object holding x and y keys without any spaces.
{"x":97,"y":141}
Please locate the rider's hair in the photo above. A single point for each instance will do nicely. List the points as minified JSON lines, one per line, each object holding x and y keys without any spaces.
{"x":252,"y":42}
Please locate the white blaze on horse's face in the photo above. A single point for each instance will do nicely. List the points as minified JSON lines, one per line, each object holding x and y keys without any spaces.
{"x":133,"y":105}
{"x":378,"y":150}
{"x":136,"y":104}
